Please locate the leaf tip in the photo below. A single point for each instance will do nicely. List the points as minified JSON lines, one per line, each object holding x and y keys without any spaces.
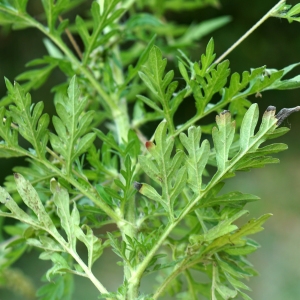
{"x":284,"y":113}
{"x":271,"y":108}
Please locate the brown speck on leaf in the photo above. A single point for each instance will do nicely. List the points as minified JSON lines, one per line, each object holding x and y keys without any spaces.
{"x":16,"y":175}
{"x":137,"y":185}
{"x":148,"y":144}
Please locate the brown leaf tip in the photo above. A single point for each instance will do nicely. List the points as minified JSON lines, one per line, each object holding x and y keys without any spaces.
{"x":16,"y":175}
{"x":271,"y":108}
{"x":284,"y":113}
{"x":137,"y":185}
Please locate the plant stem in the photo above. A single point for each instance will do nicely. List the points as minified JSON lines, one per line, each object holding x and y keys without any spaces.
{"x":218,"y":176}
{"x":242,"y":38}
{"x":88,"y":272}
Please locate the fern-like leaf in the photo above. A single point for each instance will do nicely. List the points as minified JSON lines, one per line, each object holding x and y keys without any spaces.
{"x":71,"y":126}
{"x":32,"y":124}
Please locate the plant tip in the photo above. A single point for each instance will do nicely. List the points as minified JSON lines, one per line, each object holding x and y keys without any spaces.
{"x":270,"y":108}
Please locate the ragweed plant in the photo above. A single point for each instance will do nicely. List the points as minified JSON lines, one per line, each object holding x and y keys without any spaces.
{"x":162,"y":194}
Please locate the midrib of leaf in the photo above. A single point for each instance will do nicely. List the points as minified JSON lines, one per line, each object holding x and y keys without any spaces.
{"x":141,"y":268}
{"x":161,"y":94}
{"x":166,"y":192}
{"x":49,"y":14}
{"x":195,"y":165}
{"x":224,"y":160}
{"x":73,"y":130}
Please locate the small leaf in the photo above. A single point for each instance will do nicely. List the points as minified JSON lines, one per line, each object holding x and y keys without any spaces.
{"x":223,"y":138}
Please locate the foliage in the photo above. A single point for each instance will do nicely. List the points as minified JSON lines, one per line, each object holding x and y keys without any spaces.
{"x":80,"y":178}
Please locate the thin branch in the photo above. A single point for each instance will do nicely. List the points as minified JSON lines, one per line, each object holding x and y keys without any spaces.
{"x":72,"y":40}
{"x":241,"y":39}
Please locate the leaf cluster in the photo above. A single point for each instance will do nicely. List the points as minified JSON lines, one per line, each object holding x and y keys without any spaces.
{"x":83,"y":172}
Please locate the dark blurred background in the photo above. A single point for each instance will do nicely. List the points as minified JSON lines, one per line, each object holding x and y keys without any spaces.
{"x":275,"y":44}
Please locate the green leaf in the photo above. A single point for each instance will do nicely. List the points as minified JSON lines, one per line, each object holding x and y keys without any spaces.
{"x":289,"y":12}
{"x":133,"y":71}
{"x":223,"y":228}
{"x":232,"y":198}
{"x":237,"y":238}
{"x":45,"y":243}
{"x":225,"y":292}
{"x":92,"y":243}
{"x":14,"y":13}
{"x":171,"y":175}
{"x":62,"y":203}
{"x":37,"y":77}
{"x":206,"y":59}
{"x":197,"y":157}
{"x":60,"y":287}
{"x":223,"y":138}
{"x":32,"y":200}
{"x":150,"y":103}
{"x":104,"y":15}
{"x":72,"y":122}
{"x":9,"y":146}
{"x":150,"y":192}
{"x":60,"y":264}
{"x":161,"y":85}
{"x":32,"y":124}
{"x":54,"y":9}
{"x":208,"y":83}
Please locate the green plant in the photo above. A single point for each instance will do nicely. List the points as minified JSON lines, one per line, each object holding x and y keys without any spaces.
{"x":177,"y":223}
